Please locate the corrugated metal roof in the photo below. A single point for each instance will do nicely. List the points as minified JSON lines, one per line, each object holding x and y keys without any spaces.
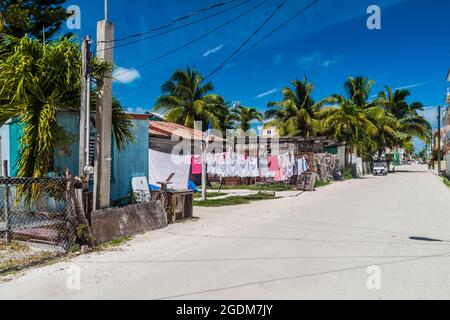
{"x":169,"y":129}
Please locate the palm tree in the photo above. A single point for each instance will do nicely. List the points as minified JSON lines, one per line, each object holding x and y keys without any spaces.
{"x":358,"y":91}
{"x":295,"y":114}
{"x":243,"y":116}
{"x":38,"y":80}
{"x":387,"y":135}
{"x":346,"y":123}
{"x":185,"y":100}
{"x":411,"y":122}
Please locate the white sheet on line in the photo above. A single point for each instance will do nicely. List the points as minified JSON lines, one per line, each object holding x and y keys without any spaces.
{"x":162,"y":165}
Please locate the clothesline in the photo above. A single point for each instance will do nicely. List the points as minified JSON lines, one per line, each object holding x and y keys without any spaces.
{"x":232,"y":165}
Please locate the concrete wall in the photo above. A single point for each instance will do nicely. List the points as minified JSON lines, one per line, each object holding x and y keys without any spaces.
{"x":110,"y":224}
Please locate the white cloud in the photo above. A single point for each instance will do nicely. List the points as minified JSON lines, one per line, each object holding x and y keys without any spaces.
{"x":317,"y":59}
{"x":214,"y":50}
{"x":411,"y":86}
{"x":126,"y":76}
{"x":278,"y":59}
{"x":137,"y":110}
{"x":267,"y":93}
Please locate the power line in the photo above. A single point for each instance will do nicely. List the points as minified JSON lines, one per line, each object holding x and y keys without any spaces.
{"x":189,"y":15}
{"x":179,"y":27}
{"x":278,"y":28}
{"x":274,"y":12}
{"x":195,"y":39}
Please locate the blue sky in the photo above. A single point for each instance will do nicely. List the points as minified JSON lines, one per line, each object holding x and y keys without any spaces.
{"x":327,"y":44}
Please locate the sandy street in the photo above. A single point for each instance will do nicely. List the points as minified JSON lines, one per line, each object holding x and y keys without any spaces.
{"x":317,"y":245}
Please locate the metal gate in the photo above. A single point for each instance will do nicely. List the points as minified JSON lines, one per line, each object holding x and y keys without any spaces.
{"x":38,"y":210}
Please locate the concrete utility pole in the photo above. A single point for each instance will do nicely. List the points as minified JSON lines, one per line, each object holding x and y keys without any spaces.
{"x":85,"y":109}
{"x":439,"y":140}
{"x":102,"y":168}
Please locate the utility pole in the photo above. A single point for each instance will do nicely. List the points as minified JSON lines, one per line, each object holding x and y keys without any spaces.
{"x":85,"y":109}
{"x":103,"y":160}
{"x":439,"y":140}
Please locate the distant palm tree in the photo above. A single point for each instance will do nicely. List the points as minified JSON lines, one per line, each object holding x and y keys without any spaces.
{"x":411,"y":122}
{"x":295,"y":114}
{"x":186,"y":99}
{"x":243,"y":116}
{"x":346,"y":123}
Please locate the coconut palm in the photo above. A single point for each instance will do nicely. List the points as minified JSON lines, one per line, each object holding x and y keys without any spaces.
{"x":185,"y":100}
{"x":295,"y":114}
{"x":411,"y":122}
{"x":38,"y":80}
{"x":243,"y":116}
{"x":346,"y":123}
{"x":358,"y":91}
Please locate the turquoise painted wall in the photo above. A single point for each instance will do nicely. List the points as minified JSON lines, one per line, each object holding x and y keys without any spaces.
{"x":15,"y":133}
{"x":130,"y":163}
{"x":127,"y":164}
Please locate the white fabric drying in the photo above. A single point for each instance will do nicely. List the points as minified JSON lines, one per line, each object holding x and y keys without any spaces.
{"x":253,"y":171}
{"x":162,"y":165}
{"x":243,"y":166}
{"x":231,"y":164}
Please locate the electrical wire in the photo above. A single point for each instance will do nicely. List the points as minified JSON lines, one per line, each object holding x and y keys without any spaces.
{"x":189,"y":15}
{"x":278,"y":28}
{"x":195,"y":39}
{"x":177,"y":28}
{"x":254,"y":33}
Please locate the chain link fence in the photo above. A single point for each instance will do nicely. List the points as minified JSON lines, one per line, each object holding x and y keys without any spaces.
{"x":40,"y":210}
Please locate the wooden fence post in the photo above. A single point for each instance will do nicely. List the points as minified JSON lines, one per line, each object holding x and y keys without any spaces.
{"x":6,"y":205}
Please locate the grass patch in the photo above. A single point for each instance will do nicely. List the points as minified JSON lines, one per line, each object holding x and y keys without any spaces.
{"x":321,"y":183}
{"x":234,"y":201}
{"x":16,"y":257}
{"x":116,"y":242}
{"x":277,"y":187}
{"x":347,"y":174}
{"x":210,"y":195}
{"x":446,"y":181}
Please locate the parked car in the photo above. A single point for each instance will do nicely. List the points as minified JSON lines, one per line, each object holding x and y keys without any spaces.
{"x":380,"y":168}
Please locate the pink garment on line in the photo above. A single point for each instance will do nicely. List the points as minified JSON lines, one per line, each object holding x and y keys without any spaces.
{"x":197,"y":164}
{"x":274,"y":164}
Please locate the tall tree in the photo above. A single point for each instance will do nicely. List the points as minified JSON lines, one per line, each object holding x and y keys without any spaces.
{"x":358,"y":91}
{"x":186,"y":99}
{"x":294,"y":115}
{"x":37,"y":81}
{"x":411,"y":122}
{"x":32,"y":17}
{"x":346,"y":123}
{"x":243,"y":116}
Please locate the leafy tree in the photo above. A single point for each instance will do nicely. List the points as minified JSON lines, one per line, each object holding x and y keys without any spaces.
{"x":186,"y":99}
{"x":411,"y":122}
{"x":32,"y":17}
{"x":346,"y":123}
{"x":38,"y":80}
{"x":358,"y":91}
{"x":243,"y":116}
{"x":295,"y":114}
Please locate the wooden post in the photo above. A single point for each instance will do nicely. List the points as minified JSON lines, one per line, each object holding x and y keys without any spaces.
{"x":6,"y":205}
